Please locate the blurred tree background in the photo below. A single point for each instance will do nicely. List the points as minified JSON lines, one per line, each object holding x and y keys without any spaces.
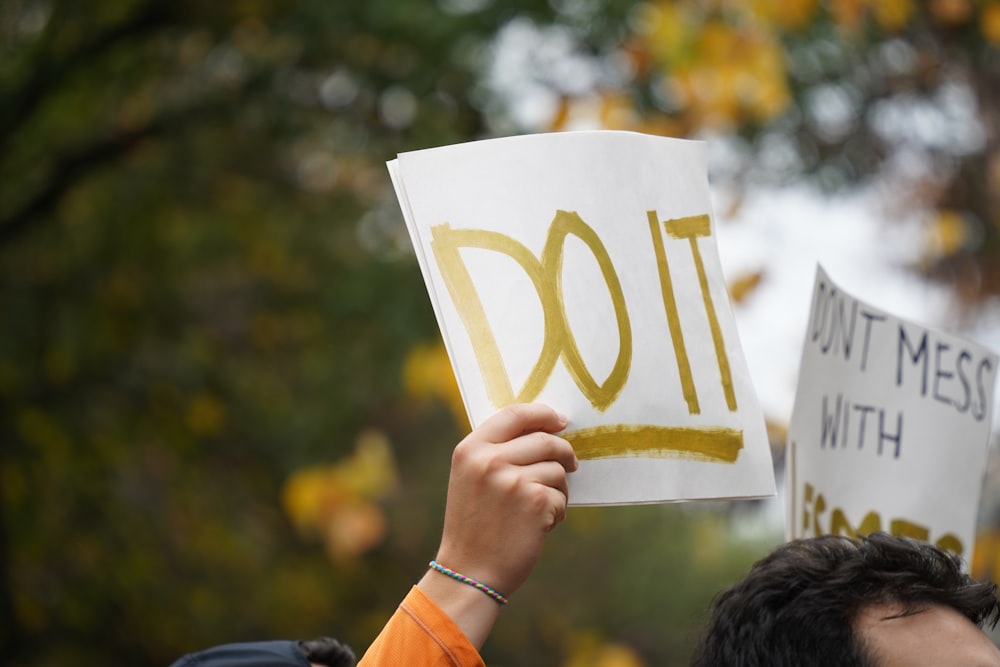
{"x":225,"y":413}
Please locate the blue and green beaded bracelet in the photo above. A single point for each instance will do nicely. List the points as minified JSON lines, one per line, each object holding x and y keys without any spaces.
{"x":458,"y":576}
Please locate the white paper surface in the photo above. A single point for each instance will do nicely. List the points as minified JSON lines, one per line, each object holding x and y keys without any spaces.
{"x":890,"y":427}
{"x":580,"y":270}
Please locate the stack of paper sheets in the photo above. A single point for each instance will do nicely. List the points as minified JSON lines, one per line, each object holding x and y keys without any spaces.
{"x":581,"y":270}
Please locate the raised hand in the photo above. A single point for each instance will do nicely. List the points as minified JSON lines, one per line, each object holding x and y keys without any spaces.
{"x":506,"y":492}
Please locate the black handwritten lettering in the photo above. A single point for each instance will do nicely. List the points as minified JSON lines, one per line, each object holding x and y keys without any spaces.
{"x":980,"y":409}
{"x":830,"y":425}
{"x":864,"y":410}
{"x":836,"y":427}
{"x":820,"y":312}
{"x":896,"y":437}
{"x":915,"y":357}
{"x":955,"y":376}
{"x":834,"y":326}
{"x":939,"y":372}
{"x":966,"y":388}
{"x":870,"y":318}
{"x":839,"y":325}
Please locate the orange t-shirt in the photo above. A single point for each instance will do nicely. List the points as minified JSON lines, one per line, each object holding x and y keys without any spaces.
{"x":419,"y":634}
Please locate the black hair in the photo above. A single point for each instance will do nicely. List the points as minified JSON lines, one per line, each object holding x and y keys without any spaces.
{"x":799,"y":604}
{"x":328,"y":651}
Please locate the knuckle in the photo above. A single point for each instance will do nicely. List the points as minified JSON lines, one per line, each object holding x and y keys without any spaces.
{"x":508,"y":483}
{"x":536,"y":439}
{"x":554,"y":447}
{"x":541,"y":500}
{"x":462,"y":452}
{"x":516,"y":408}
{"x":479,"y":460}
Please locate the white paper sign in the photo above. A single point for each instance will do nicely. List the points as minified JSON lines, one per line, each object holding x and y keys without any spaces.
{"x":890,"y":427}
{"x":580,"y":270}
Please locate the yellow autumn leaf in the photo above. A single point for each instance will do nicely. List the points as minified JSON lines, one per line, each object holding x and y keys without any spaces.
{"x":617,"y":113}
{"x":561,"y":116}
{"x":337,"y":502}
{"x":422,"y":369}
{"x":771,"y":99}
{"x":371,"y":471}
{"x":662,"y":125}
{"x":765,"y":71}
{"x":206,"y":415}
{"x":777,"y":434}
{"x":743,"y":286}
{"x":666,"y":30}
{"x":989,"y":23}
{"x":352,"y":529}
{"x":951,"y":12}
{"x":714,"y":102}
{"x":893,"y":14}
{"x":719,"y":43}
{"x":788,"y":14}
{"x":847,"y":14}
{"x":306,"y":495}
{"x":427,"y":374}
{"x":591,"y":651}
{"x":946,"y":235}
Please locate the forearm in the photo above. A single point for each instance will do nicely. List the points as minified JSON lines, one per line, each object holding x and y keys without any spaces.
{"x":423,"y":634}
{"x":507,"y":489}
{"x":471,"y":610}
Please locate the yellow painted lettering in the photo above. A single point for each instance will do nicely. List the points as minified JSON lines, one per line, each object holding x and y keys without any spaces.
{"x":904,"y":528}
{"x":446,"y":243}
{"x":691,"y":228}
{"x":673,"y":317}
{"x":949,"y":542}
{"x":840,"y":525}
{"x":601,"y":396}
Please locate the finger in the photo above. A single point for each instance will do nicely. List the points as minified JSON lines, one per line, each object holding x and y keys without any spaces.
{"x":558,"y":502}
{"x":540,"y":446}
{"x":548,"y":473}
{"x":518,"y":419}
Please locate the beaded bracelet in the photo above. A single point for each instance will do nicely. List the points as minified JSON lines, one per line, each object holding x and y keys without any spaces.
{"x":457,"y":576}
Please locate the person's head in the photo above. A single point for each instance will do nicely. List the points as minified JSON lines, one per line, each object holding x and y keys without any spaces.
{"x":845,"y":602}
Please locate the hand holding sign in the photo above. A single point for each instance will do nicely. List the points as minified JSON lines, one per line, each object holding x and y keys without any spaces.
{"x":580,"y":270}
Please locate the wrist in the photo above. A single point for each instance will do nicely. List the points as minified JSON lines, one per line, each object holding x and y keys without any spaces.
{"x":485,"y":589}
{"x":472,"y":611}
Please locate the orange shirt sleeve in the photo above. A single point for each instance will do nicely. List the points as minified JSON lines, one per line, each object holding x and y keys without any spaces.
{"x":419,"y":634}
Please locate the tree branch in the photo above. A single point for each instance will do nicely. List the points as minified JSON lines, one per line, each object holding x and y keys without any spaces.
{"x":66,"y":173}
{"x":21,"y":104}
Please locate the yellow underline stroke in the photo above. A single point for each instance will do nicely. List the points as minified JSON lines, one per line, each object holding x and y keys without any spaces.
{"x":716,"y":445}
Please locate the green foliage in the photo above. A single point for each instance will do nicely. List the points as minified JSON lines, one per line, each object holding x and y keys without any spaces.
{"x":196,"y":302}
{"x":642,"y":576}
